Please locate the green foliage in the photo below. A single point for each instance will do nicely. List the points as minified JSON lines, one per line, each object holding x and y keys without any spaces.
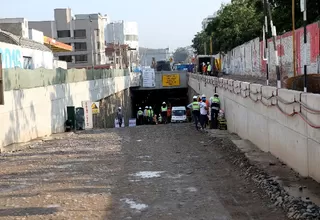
{"x":241,"y":21}
{"x":180,"y":55}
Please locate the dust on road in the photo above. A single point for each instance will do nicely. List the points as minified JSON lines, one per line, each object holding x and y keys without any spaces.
{"x":148,"y":172}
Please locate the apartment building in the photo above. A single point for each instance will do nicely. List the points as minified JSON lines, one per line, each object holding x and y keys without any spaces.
{"x":84,"y":32}
{"x":124,"y":33}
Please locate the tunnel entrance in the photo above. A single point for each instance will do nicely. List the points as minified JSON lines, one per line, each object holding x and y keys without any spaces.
{"x":154,"y":98}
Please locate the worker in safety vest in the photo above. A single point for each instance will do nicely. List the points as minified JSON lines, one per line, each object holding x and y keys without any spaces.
{"x":195,"y":106}
{"x":140,"y":116}
{"x":148,"y":115}
{"x":145,"y":115}
{"x":215,"y":108}
{"x":209,"y":68}
{"x":151,"y":115}
{"x":164,"y":112}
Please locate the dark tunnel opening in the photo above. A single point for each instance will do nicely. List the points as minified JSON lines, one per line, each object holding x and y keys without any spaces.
{"x":154,"y":98}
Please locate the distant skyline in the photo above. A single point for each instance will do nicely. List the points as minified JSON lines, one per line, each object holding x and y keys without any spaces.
{"x":169,"y":24}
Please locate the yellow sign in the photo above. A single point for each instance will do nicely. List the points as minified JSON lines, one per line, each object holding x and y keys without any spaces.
{"x":170,"y":80}
{"x":95,"y":108}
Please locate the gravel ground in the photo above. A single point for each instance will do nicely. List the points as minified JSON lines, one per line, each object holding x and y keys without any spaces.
{"x":148,"y":172}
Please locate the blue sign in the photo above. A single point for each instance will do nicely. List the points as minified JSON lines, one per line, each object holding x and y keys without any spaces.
{"x":11,"y":57}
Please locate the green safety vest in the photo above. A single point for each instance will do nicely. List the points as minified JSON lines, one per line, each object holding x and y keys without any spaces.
{"x":209,"y":67}
{"x":148,"y":112}
{"x":215,"y":100}
{"x":195,"y":106}
{"x":140,"y":112}
{"x":164,"y":109}
{"x":151,"y":113}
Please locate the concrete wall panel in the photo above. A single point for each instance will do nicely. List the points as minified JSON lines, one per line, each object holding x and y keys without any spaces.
{"x":36,"y":112}
{"x":254,"y":115}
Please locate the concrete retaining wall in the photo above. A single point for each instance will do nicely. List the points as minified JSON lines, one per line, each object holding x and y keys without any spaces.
{"x":283,"y":122}
{"x":36,"y":112}
{"x":247,"y":59}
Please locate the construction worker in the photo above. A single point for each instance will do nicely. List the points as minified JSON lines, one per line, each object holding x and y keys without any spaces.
{"x":164,"y":112}
{"x":140,"y":116}
{"x":209,"y":68}
{"x":151,"y":115}
{"x":195,"y":106}
{"x":215,"y":108}
{"x":160,"y":119}
{"x":145,"y":115}
{"x":204,"y":100}
{"x":203,"y":112}
{"x":119,"y":116}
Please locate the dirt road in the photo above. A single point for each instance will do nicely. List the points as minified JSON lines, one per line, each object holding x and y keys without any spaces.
{"x":149,"y":172}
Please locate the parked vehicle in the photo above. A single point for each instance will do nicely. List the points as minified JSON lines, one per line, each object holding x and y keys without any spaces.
{"x":179,"y":114}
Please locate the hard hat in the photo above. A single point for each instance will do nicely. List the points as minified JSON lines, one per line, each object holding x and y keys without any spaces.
{"x":195,"y":97}
{"x":216,"y":94}
{"x":140,"y":108}
{"x":208,"y":63}
{"x":146,"y":107}
{"x":119,"y":107}
{"x":203,"y":96}
{"x":163,"y":102}
{"x":150,"y":107}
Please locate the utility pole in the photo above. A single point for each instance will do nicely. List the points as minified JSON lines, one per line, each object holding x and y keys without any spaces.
{"x":211,"y":45}
{"x":265,"y":38}
{"x":303,"y":5}
{"x":274,"y":38}
{"x":205,"y":48}
{"x":294,"y":39}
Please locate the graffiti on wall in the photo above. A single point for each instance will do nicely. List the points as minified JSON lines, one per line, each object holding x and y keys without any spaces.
{"x":11,"y":57}
{"x":248,"y":58}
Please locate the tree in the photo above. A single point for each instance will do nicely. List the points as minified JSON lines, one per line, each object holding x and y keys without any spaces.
{"x":181,"y":54}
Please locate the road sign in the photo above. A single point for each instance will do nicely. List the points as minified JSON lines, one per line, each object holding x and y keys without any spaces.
{"x":95,"y":108}
{"x":169,"y":80}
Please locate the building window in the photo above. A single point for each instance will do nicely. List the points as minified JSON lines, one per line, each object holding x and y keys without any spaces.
{"x":99,"y":58}
{"x":98,"y":45}
{"x":27,"y":63}
{"x":131,"y":37}
{"x":80,"y":46}
{"x":66,"y":58}
{"x":81,"y":58}
{"x":97,"y":32}
{"x":80,"y":34}
{"x":64,"y":33}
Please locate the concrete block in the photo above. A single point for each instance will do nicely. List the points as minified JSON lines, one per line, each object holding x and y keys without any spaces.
{"x":245,"y":89}
{"x":230,"y":85}
{"x":258,"y":130}
{"x":312,"y":101}
{"x":285,"y":97}
{"x":220,"y":82}
{"x":255,"y":91}
{"x":236,"y":87}
{"x":267,"y":95}
{"x":215,"y":81}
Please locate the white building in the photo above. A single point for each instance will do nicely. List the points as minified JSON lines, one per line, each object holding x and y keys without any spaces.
{"x":122,"y":32}
{"x":207,"y":20}
{"x":84,"y":32}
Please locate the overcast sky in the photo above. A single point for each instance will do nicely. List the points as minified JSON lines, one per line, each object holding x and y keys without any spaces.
{"x":161,"y":24}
